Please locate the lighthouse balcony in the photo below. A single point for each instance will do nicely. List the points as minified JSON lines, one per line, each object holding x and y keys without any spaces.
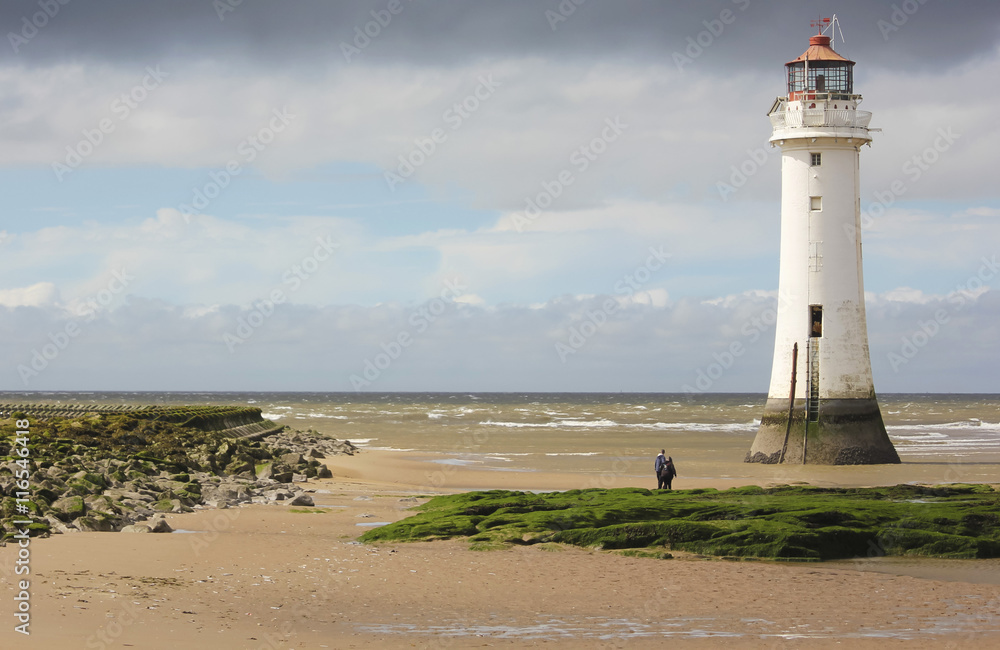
{"x":820,"y":122}
{"x":813,"y":117}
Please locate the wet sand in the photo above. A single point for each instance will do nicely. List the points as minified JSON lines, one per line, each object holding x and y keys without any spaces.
{"x":266,"y":576}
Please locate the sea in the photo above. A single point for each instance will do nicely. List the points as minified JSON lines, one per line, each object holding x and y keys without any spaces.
{"x":940,"y":438}
{"x":610,"y":439}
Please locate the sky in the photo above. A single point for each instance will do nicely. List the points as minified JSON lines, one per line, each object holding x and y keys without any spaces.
{"x":416,"y":195}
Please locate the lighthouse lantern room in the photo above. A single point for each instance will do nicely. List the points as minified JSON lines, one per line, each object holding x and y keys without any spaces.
{"x":821,"y":406}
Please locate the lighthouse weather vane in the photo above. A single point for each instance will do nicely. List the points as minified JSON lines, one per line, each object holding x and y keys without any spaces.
{"x":821,"y":406}
{"x":832,"y":24}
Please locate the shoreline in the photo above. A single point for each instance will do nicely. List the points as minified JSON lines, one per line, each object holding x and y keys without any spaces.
{"x":268,"y":576}
{"x":434,"y":472}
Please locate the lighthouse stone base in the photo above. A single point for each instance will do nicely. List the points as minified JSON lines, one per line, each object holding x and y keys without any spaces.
{"x":849,"y":432}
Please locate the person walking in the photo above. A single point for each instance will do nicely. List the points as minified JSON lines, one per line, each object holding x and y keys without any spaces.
{"x":661,"y":462}
{"x":669,"y":472}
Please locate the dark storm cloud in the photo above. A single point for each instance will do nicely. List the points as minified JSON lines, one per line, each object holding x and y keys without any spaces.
{"x":924,"y":34}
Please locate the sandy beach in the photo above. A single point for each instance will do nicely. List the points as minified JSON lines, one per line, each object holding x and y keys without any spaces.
{"x":267,"y":576}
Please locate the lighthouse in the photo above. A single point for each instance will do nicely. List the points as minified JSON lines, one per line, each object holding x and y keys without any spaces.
{"x":821,"y":406}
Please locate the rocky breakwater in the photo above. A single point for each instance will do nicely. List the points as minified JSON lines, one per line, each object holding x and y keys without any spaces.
{"x":122,"y":472}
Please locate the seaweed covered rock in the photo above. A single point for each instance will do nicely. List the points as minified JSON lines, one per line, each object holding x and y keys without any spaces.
{"x":801,"y":523}
{"x":110,"y":470}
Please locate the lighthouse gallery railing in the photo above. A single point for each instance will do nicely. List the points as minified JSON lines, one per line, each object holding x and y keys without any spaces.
{"x":810,"y":117}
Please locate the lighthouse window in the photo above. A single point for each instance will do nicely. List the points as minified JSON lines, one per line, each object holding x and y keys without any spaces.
{"x":815,"y":203}
{"x":817,"y":159}
{"x":816,"y":321}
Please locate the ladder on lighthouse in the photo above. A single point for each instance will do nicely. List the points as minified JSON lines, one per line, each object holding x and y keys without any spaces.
{"x":813,"y":380}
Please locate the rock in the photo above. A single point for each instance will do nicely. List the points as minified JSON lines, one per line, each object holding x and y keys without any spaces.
{"x":57,"y":526}
{"x":102,"y":503}
{"x":283,"y":477}
{"x":315,"y":453}
{"x":293,"y":459}
{"x":69,"y":508}
{"x":302,"y":500}
{"x":299,"y":478}
{"x":137,"y":528}
{"x":94,"y":524}
{"x":159,"y":525}
{"x":324,"y":472}
{"x":266,"y":471}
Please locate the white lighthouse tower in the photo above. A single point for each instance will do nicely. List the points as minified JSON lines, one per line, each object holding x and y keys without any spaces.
{"x":821,"y":405}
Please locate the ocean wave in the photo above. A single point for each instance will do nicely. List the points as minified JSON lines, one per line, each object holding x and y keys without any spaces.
{"x":272,"y":416}
{"x":729,"y":427}
{"x":595,"y":424}
{"x":725,"y":427}
{"x":575,"y":453}
{"x":323,"y":415}
{"x":921,"y":436}
{"x":964,"y":424}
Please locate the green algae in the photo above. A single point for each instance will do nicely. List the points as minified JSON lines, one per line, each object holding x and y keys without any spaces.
{"x":785,"y":522}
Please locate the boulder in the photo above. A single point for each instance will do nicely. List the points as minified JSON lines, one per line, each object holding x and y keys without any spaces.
{"x":283,"y":477}
{"x":94,"y":524}
{"x":302,"y":500}
{"x":57,"y":526}
{"x":266,"y":471}
{"x":136,"y":528}
{"x":292,"y":459}
{"x":69,"y":508}
{"x":89,"y":478}
{"x":159,"y":525}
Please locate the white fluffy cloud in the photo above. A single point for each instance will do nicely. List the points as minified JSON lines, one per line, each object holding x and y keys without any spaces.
{"x":645,"y":342}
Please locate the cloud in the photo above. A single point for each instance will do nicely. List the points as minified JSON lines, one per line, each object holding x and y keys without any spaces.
{"x":308,"y":33}
{"x":41,"y":294}
{"x":639,"y":345}
{"x":543,"y":166}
